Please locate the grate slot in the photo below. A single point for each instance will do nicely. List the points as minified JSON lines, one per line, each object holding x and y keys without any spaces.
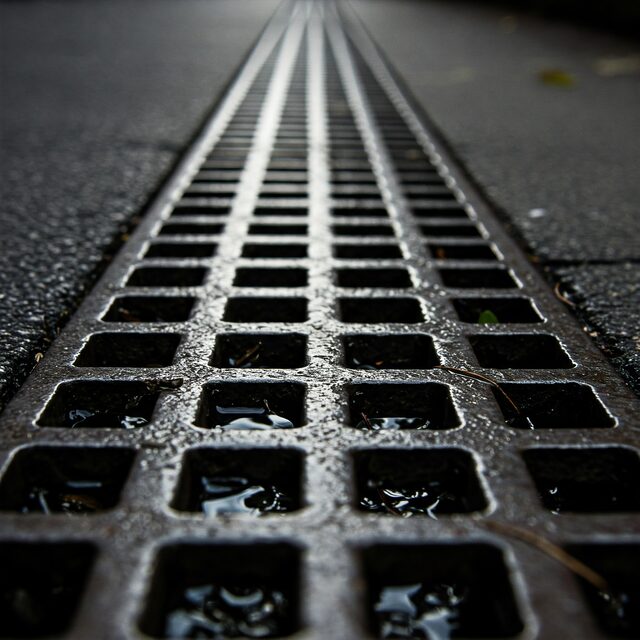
{"x":215,"y":482}
{"x":42,"y":584}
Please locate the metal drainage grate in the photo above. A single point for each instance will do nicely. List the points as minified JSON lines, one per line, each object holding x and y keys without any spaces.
{"x":271,"y":342}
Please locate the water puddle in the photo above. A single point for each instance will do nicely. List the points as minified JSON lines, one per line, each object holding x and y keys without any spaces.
{"x":374,"y":364}
{"x":229,"y":611}
{"x":418,"y":498}
{"x":86,"y":419}
{"x":392,"y":423}
{"x":620,"y":611}
{"x":71,"y":497}
{"x":241,"y":495}
{"x":250,"y":418}
{"x":419,"y":611}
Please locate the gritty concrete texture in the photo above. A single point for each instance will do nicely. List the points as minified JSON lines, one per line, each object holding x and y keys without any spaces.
{"x":560,"y":162}
{"x":606,"y":296}
{"x":98,"y":101}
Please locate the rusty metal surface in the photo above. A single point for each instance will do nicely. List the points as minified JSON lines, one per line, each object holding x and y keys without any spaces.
{"x":316,"y":141}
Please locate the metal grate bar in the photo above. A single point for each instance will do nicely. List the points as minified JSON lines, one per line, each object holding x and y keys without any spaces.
{"x":317,"y":255}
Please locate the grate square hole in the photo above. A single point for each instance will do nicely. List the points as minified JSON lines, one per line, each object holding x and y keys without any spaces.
{"x":129,"y":350}
{"x":97,"y":404}
{"x":260,"y":351}
{"x":194,"y":229}
{"x":273,"y":250}
{"x":427,"y":482}
{"x":149,"y":309}
{"x":477,"y":278}
{"x":520,"y":352}
{"x":42,"y":585}
{"x":256,"y":309}
{"x":167,"y":277}
{"x":395,"y":351}
{"x":278,"y":229}
{"x":254,"y":481}
{"x":199,"y":210}
{"x":553,"y":405}
{"x":585,"y":480}
{"x":362,"y":230}
{"x":250,"y":277}
{"x":380,"y":310}
{"x":413,"y":591}
{"x":462,"y":252}
{"x":397,"y":405}
{"x":381,"y":278}
{"x":439,"y":212}
{"x":351,"y":212}
{"x":496,"y":310}
{"x":367,"y":252}
{"x":193,"y":584}
{"x":70,"y":480}
{"x":619,"y":565}
{"x":181,"y":250}
{"x":252,"y":405}
{"x":450,"y":231}
{"x":280,"y":211}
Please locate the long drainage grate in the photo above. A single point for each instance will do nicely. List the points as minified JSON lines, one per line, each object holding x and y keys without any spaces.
{"x":290,"y":334}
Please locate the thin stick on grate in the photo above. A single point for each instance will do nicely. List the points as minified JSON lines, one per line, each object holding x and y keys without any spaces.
{"x":552,"y":550}
{"x":481,"y":378}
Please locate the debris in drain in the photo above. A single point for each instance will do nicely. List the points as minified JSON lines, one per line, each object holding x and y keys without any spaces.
{"x":517,"y":418}
{"x":228,"y":611}
{"x":247,"y":418}
{"x":240,"y":495}
{"x":562,"y":296}
{"x":375,"y":364}
{"x":552,"y":550}
{"x":419,"y":611}
{"x":421,"y":498}
{"x":71,"y":497}
{"x":85,"y":419}
{"x":393,"y":423}
{"x":248,"y":358}
{"x":487,"y":317}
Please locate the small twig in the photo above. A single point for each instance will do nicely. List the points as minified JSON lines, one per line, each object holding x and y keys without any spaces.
{"x":485,"y":379}
{"x":552,"y":550}
{"x":387,"y":505}
{"x":247,"y":354}
{"x":266,"y":405}
{"x":561,"y":296}
{"x":365,"y":419}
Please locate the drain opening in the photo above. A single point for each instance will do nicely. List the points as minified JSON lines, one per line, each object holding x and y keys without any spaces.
{"x":226,"y":590}
{"x":252,"y":405}
{"x":42,"y":585}
{"x":69,"y":480}
{"x":250,"y":481}
{"x":458,"y":589}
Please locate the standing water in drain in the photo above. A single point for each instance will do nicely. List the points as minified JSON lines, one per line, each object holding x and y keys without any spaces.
{"x":392,"y":423}
{"x":228,"y":611}
{"x":240,"y":495}
{"x":419,"y":611}
{"x":423,"y":498}
{"x":83,"y":418}
{"x":71,"y":497}
{"x":248,"y":418}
